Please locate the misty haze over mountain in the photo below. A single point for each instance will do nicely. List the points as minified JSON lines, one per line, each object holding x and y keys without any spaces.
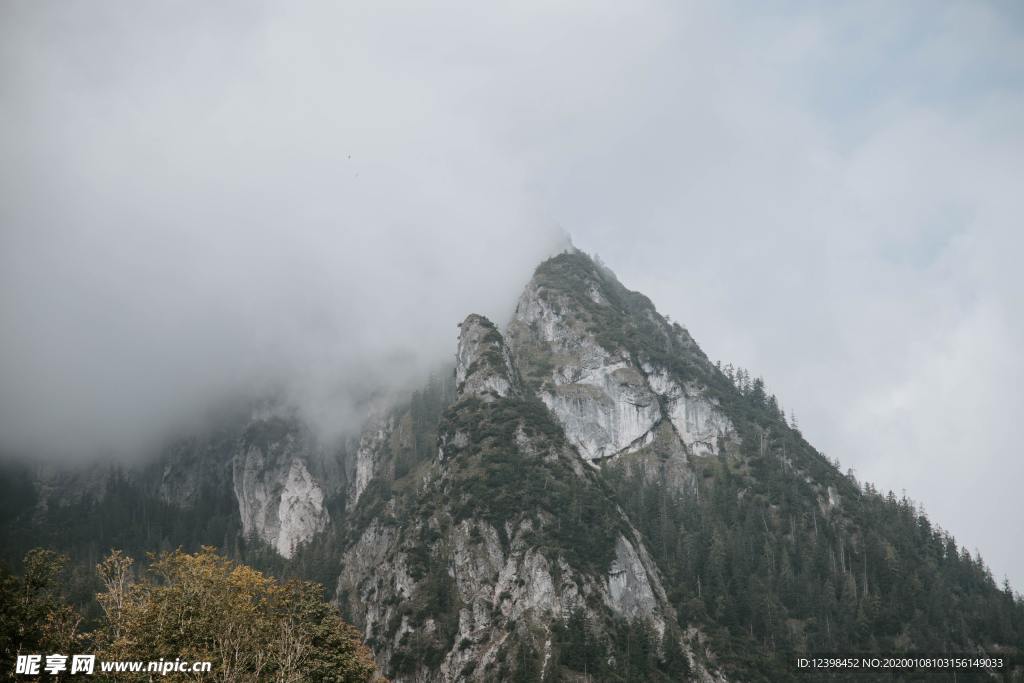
{"x":201,"y":206}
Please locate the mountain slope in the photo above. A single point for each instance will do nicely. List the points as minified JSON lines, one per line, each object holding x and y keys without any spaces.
{"x":584,"y":495}
{"x":506,"y":534}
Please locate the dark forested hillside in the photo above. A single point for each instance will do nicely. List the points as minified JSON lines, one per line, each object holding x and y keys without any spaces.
{"x":751,"y":552}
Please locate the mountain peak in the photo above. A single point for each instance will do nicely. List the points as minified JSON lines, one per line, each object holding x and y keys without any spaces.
{"x":616,"y":374}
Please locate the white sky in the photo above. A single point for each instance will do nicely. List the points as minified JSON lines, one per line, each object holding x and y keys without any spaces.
{"x":197,"y":199}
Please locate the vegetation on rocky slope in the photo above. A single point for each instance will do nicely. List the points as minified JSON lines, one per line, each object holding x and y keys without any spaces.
{"x":773,"y":551}
{"x":765,"y":551}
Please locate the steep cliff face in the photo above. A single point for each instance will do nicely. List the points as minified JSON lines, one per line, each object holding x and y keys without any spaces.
{"x":591,"y":348}
{"x":369,"y":458}
{"x":279,"y":501}
{"x":603,"y":403}
{"x":697,"y":419}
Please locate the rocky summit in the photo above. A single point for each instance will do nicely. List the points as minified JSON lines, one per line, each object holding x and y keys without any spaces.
{"x":585,"y":496}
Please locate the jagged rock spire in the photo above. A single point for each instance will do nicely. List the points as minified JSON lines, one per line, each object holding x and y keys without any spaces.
{"x":483,"y":366}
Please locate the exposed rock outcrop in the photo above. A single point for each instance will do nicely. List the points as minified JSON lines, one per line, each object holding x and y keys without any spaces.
{"x":608,"y":402}
{"x":369,"y":456}
{"x":483,"y":367}
{"x":697,"y":419}
{"x":279,"y":501}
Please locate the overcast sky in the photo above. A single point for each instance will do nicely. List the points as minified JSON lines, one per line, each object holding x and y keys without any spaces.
{"x":202,"y":200}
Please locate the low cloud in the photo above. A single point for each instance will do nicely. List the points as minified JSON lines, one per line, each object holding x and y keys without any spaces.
{"x":198,"y":207}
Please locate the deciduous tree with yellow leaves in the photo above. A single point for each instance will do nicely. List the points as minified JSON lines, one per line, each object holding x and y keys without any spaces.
{"x":252,"y":627}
